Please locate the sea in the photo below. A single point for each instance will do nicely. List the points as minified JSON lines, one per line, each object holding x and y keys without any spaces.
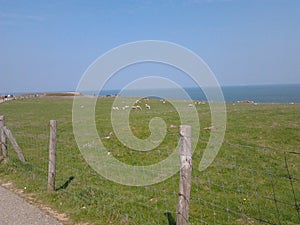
{"x":279,"y":93}
{"x":283,"y":93}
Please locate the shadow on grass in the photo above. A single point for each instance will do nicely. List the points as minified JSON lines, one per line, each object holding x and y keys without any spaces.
{"x":66,"y":184}
{"x":171,"y":220}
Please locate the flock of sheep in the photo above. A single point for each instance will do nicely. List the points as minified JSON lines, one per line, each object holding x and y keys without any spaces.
{"x":147,"y":106}
{"x":137,"y":107}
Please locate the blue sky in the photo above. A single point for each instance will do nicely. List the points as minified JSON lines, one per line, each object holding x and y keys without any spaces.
{"x":47,"y":45}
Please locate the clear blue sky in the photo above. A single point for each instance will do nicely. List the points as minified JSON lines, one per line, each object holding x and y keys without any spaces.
{"x":47,"y":45}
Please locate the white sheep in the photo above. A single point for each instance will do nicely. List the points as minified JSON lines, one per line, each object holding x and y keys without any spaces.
{"x":136,"y":107}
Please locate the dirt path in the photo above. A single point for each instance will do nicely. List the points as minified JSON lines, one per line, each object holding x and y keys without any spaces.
{"x":16,"y":211}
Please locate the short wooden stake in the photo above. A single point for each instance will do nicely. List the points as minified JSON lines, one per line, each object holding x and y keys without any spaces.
{"x":185,"y":176}
{"x":52,"y":156}
{"x":14,"y":144}
{"x":3,"y":144}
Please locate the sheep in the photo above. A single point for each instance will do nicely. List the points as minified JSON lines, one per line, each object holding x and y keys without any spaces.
{"x":147,"y":106}
{"x":136,"y":107}
{"x":209,"y":128}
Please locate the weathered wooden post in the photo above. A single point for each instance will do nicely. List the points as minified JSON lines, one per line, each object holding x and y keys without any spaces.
{"x":14,"y":144}
{"x":3,"y":146}
{"x":52,"y":156}
{"x":185,"y":153}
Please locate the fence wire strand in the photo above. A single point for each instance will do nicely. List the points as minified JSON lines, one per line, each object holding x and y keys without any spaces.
{"x":214,"y":200}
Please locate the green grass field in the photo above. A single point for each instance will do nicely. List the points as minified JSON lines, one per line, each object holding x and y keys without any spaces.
{"x":253,"y":180}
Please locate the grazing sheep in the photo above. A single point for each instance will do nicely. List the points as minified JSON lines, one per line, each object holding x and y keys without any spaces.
{"x":147,"y":106}
{"x":136,"y":107}
{"x":209,"y":128}
{"x":245,"y":101}
{"x":199,"y":102}
{"x":125,"y":107}
{"x":109,"y":135}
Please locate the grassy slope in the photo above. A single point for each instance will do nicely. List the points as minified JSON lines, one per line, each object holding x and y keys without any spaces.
{"x":242,"y":180}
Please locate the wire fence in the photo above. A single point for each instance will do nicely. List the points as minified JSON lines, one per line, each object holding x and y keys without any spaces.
{"x":260,"y":186}
{"x":246,"y":184}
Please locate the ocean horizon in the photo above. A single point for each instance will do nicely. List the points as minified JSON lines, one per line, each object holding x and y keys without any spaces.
{"x":271,"y":93}
{"x":279,"y":93}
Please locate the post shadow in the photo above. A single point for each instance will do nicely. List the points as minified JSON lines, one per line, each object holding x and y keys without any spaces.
{"x":171,"y":220}
{"x":66,"y":184}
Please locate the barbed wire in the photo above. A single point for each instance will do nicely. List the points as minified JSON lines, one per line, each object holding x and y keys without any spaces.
{"x":262,"y":148}
{"x":38,"y":159}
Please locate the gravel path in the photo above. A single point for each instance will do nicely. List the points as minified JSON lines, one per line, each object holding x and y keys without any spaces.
{"x":16,"y":211}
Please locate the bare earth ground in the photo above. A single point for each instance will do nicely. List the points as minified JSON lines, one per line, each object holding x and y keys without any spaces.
{"x":16,"y":211}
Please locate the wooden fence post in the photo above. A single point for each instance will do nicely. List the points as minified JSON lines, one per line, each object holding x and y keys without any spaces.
{"x":14,"y":144}
{"x":3,"y":144}
{"x":185,"y":175}
{"x":52,"y":156}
